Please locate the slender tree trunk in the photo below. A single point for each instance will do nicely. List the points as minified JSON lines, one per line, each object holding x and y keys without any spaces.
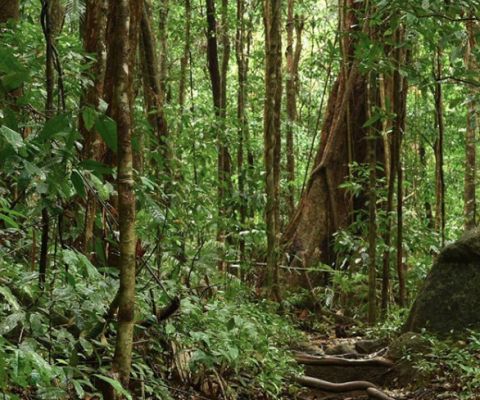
{"x":372,"y":200}
{"x":123,"y":26}
{"x":218,"y":83}
{"x":93,"y":43}
{"x":154,"y":95}
{"x":439,"y":172}
{"x":241,"y":40}
{"x":49,"y":28}
{"x":391,"y":165}
{"x":399,"y":109}
{"x":163,"y":53}
{"x":470,"y":136}
{"x":272,"y":138}
{"x":185,"y":57}
{"x":294,"y":22}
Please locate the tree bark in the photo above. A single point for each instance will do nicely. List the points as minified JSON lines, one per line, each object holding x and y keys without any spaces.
{"x":242,"y":67}
{"x":122,"y":45}
{"x":470,"y":207}
{"x":399,"y":109}
{"x":294,"y":22}
{"x":154,"y":95}
{"x":325,"y":207}
{"x":93,"y":43}
{"x":372,"y":201}
{"x":439,"y":172}
{"x":9,"y":9}
{"x":272,"y":138}
{"x":185,"y":57}
{"x":218,"y":84}
{"x":163,"y":53}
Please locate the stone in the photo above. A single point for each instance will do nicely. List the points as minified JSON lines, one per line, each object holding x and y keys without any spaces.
{"x":449,"y":301}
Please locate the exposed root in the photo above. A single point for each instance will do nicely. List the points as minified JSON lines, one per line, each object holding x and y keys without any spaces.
{"x":307,"y":359}
{"x":320,"y":384}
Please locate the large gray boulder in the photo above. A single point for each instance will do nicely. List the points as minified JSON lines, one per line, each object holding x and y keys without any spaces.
{"x":449,"y":302}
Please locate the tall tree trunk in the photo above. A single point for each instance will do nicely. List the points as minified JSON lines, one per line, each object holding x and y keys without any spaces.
{"x":240,"y":51}
{"x":163,"y":53}
{"x":470,"y":206}
{"x":391,"y":165}
{"x":325,"y":207}
{"x":294,"y":22}
{"x":154,"y":95}
{"x":50,"y":16}
{"x":439,"y":172}
{"x":218,"y":84}
{"x":122,"y":44}
{"x":185,"y":56}
{"x":271,"y":136}
{"x":399,"y":109}
{"x":93,"y":43}
{"x":372,"y":200}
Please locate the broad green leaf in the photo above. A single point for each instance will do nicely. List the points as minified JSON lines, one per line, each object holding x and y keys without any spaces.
{"x":10,"y":222}
{"x":9,"y":323}
{"x":89,"y":116}
{"x":54,"y":126}
{"x":13,"y":138}
{"x":78,"y":184}
{"x":374,"y":118}
{"x":107,"y":129}
{"x":11,"y":299}
{"x":96,"y":167}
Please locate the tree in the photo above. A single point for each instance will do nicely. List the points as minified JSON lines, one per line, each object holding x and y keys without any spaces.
{"x":218,"y":86}
{"x":470,"y":207}
{"x":325,"y":207}
{"x":154,"y":90}
{"x":271,"y":136}
{"x":294,"y":23}
{"x":94,"y":147}
{"x":124,"y":23}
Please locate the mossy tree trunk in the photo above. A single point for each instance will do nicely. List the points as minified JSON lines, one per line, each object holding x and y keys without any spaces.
{"x":271,"y":137}
{"x":124,"y":23}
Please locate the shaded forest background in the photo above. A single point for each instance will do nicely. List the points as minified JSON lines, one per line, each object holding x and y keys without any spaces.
{"x":185,"y":185}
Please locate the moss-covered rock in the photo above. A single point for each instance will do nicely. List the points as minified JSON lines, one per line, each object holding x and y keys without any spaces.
{"x":449,"y":301}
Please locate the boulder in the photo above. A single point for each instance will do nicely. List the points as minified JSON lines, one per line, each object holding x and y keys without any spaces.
{"x":449,"y":301}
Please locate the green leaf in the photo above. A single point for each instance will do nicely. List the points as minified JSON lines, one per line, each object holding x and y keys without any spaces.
{"x":117,"y":386}
{"x":13,"y":138}
{"x":10,"y":222}
{"x":53,"y":126}
{"x":78,"y":184}
{"x":374,"y":118}
{"x":96,"y":167}
{"x":107,"y":129}
{"x":89,"y":116}
{"x":12,"y":300}
{"x":78,"y":389}
{"x":10,"y":323}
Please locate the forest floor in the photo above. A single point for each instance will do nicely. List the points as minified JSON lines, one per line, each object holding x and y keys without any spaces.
{"x":358,"y":349}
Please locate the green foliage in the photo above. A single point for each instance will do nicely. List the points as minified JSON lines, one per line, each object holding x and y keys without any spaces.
{"x":453,"y":364}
